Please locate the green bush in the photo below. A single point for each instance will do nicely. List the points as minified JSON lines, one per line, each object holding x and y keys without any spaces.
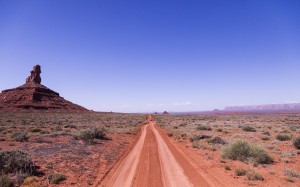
{"x":16,"y":161}
{"x":240,"y":172}
{"x":283,"y":137}
{"x":5,"y":181}
{"x":243,"y":151}
{"x":249,"y":129}
{"x":20,"y":136}
{"x":296,"y":142}
{"x":227,"y":167}
{"x":203,"y":128}
{"x":56,"y":178}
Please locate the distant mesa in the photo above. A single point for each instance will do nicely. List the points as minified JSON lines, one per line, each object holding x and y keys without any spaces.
{"x":33,"y":96}
{"x":165,"y":113}
{"x":268,"y":107}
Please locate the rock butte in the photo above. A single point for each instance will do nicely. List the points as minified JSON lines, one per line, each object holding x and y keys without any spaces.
{"x":33,"y":96}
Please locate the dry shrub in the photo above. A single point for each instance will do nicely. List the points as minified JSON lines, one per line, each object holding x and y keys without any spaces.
{"x":243,"y":151}
{"x":14,"y":161}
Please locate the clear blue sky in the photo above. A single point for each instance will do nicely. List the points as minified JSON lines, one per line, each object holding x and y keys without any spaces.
{"x":144,"y":56}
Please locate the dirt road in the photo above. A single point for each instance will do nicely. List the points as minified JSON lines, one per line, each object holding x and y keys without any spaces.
{"x":154,"y":161}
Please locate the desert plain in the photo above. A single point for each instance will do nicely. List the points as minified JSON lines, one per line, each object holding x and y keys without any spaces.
{"x":89,"y":148}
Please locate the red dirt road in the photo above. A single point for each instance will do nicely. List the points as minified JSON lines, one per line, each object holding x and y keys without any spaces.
{"x":154,"y":160}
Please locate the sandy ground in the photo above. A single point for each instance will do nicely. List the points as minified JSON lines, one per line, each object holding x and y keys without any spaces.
{"x":154,"y":160}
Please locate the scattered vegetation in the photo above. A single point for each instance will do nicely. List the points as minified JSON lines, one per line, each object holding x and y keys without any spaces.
{"x":243,"y":151}
{"x":227,"y":167}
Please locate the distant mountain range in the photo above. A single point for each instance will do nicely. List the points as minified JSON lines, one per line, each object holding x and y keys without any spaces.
{"x":268,"y":107}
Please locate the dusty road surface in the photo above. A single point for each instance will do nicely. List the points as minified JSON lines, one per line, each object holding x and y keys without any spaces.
{"x":154,"y":161}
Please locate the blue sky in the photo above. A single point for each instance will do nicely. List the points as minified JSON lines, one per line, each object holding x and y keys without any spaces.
{"x":144,"y":56}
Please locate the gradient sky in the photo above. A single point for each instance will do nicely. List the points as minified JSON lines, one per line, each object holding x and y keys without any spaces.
{"x":144,"y":56}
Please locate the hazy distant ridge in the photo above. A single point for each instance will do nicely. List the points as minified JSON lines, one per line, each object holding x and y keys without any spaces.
{"x":294,"y":106}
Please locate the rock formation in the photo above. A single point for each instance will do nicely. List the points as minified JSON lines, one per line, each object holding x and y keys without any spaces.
{"x":33,"y":96}
{"x":35,"y":75}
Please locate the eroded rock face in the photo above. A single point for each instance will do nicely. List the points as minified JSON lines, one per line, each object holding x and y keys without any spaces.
{"x":35,"y":75}
{"x":33,"y":96}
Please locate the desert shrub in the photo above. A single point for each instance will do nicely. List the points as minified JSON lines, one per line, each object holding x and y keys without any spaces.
{"x":265,"y":138}
{"x":35,"y":130}
{"x":175,"y":127}
{"x":30,"y":182}
{"x":291,"y":173}
{"x":254,"y":176}
{"x":219,"y":130}
{"x":240,"y":172}
{"x":16,"y":161}
{"x":199,"y":137}
{"x":183,"y":124}
{"x":90,"y":135}
{"x":243,"y":151}
{"x":216,"y":140}
{"x":227,"y":167}
{"x":170,"y":134}
{"x":285,"y":131}
{"x":2,"y":129}
{"x":296,"y":142}
{"x":266,"y":133}
{"x":20,"y":136}
{"x":183,"y":136}
{"x":5,"y":181}
{"x":100,"y":133}
{"x":56,"y":178}
{"x":203,"y":128}
{"x":283,"y":137}
{"x":249,"y":129}
{"x":195,"y":144}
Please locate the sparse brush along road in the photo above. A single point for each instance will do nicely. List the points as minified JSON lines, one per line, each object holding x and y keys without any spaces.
{"x":154,"y":161}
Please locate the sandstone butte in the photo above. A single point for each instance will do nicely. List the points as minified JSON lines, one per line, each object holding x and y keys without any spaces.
{"x":33,"y":96}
